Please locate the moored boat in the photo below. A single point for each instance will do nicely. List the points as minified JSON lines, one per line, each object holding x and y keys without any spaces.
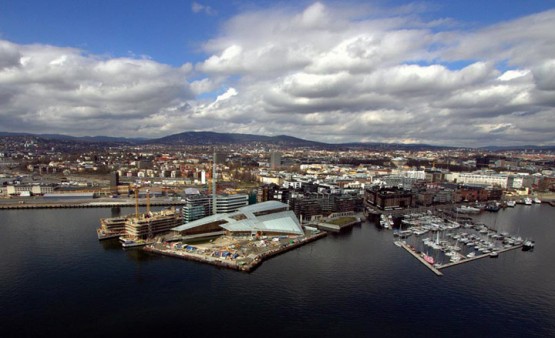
{"x":527,"y":201}
{"x":494,"y":207}
{"x":465,"y":209}
{"x":427,"y":258}
{"x":398,"y":243}
{"x":528,"y":245}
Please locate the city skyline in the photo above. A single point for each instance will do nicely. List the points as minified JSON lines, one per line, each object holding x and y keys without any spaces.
{"x":391,"y":71}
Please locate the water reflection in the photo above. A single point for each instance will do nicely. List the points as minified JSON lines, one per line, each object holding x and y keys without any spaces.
{"x":115,"y":211}
{"x":111,"y":244}
{"x":139,"y":255}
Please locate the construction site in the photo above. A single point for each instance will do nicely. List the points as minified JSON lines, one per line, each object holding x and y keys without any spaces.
{"x":243,"y":253}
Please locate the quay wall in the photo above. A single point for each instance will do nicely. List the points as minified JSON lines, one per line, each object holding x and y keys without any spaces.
{"x":81,"y":204}
{"x":336,"y":227}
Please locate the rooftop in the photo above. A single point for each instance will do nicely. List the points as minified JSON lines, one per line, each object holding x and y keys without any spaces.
{"x":276,"y":219}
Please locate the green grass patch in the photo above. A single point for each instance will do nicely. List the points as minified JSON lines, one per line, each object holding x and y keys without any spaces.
{"x":342,"y":220}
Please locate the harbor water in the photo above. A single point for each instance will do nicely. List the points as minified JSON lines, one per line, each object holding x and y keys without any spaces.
{"x":56,"y":278}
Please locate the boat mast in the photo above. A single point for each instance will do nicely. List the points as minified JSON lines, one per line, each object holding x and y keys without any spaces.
{"x":214,"y":184}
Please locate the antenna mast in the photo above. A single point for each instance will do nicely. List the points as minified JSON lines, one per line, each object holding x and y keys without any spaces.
{"x":214,"y":183}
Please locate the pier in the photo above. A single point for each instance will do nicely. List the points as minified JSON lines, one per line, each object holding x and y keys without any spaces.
{"x":467,"y":259}
{"x":417,"y":256}
{"x":436,"y":268}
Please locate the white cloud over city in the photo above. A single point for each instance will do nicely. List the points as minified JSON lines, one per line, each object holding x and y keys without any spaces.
{"x":322,"y":73}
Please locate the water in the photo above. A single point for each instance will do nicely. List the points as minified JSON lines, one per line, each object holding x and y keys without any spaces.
{"x":57,"y":279}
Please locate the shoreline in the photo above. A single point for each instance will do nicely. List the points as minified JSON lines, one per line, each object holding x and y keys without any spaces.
{"x":88,"y":203}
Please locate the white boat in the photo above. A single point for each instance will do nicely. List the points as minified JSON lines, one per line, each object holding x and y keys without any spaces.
{"x":537,"y":200}
{"x":528,"y":201}
{"x":386,"y":222}
{"x":528,"y":245}
{"x":511,"y":203}
{"x":398,"y":243}
{"x":465,"y":209}
{"x":419,"y":232}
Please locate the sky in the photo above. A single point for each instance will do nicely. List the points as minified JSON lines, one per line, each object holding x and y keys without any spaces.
{"x":457,"y":73}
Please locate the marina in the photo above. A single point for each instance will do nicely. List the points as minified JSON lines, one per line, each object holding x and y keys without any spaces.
{"x":449,"y":243}
{"x":421,"y":259}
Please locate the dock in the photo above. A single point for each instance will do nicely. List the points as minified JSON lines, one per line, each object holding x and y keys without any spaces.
{"x":436,"y":269}
{"x":466,"y":260}
{"x":417,"y":256}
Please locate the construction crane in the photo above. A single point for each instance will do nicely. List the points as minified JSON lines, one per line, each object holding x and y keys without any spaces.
{"x":148,"y":202}
{"x":136,"y":189}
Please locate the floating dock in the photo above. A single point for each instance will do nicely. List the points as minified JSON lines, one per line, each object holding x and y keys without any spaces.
{"x":467,"y":259}
{"x":436,"y":268}
{"x":417,"y":256}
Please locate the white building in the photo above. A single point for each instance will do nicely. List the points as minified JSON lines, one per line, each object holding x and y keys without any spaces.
{"x":292,"y":184}
{"x":474,"y":178}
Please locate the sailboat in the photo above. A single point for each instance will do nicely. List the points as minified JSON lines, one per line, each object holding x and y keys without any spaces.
{"x":399,"y":233}
{"x":428,"y":259}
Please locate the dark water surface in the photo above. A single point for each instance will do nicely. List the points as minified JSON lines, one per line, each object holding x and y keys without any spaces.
{"x":57,"y":279}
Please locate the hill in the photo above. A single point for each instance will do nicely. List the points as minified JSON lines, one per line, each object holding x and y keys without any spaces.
{"x":212,"y":138}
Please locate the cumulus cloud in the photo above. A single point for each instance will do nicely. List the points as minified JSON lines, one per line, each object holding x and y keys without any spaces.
{"x":386,"y":78}
{"x":52,"y":89}
{"x":323,"y":72}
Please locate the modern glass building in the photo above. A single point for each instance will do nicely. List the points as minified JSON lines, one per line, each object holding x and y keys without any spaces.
{"x":267,"y":218}
{"x":199,"y":206}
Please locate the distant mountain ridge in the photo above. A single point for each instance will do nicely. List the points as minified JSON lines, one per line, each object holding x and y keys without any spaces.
{"x":208,"y":138}
{"x":213,"y":138}
{"x":61,"y":137}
